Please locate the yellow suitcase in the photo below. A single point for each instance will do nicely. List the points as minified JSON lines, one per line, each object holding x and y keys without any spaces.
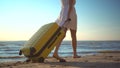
{"x":43,"y":42}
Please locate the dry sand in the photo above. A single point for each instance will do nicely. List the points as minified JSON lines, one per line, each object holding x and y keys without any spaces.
{"x":102,"y":60}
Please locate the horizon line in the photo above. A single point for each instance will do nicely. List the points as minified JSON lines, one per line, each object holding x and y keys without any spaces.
{"x":63,"y":40}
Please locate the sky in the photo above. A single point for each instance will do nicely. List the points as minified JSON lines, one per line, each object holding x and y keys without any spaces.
{"x":96,"y":19}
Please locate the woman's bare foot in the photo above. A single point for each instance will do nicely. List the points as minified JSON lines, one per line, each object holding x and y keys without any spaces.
{"x":58,"y":58}
{"x":76,"y":56}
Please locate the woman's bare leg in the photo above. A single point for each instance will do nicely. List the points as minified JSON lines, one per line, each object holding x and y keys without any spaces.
{"x":55,"y":54}
{"x":74,"y":43}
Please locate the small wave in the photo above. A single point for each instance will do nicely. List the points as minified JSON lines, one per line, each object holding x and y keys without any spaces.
{"x":10,"y":53}
{"x":10,"y":57}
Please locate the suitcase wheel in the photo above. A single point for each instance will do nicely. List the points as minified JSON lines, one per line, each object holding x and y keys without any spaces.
{"x":20,"y":52}
{"x":28,"y":60}
{"x":41,"y":59}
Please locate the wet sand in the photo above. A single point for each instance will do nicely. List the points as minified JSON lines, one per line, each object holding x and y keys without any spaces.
{"x":102,"y":60}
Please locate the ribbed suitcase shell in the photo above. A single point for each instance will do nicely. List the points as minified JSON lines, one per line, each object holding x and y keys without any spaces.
{"x":43,"y":42}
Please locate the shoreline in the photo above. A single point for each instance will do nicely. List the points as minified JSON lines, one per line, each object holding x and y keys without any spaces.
{"x":101,"y":60}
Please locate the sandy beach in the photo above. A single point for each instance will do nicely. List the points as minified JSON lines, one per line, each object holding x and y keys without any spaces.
{"x":102,"y":60}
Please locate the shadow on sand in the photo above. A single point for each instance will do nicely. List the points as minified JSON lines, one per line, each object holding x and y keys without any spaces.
{"x":86,"y":64}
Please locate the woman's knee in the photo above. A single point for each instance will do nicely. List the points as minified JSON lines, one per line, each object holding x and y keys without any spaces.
{"x":73,"y":33}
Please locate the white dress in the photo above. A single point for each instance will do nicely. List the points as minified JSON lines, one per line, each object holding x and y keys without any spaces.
{"x":63,"y":16}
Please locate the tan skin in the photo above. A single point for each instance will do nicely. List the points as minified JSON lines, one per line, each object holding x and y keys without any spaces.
{"x":73,"y":36}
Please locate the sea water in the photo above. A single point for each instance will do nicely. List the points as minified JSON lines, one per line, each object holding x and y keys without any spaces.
{"x":9,"y":50}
